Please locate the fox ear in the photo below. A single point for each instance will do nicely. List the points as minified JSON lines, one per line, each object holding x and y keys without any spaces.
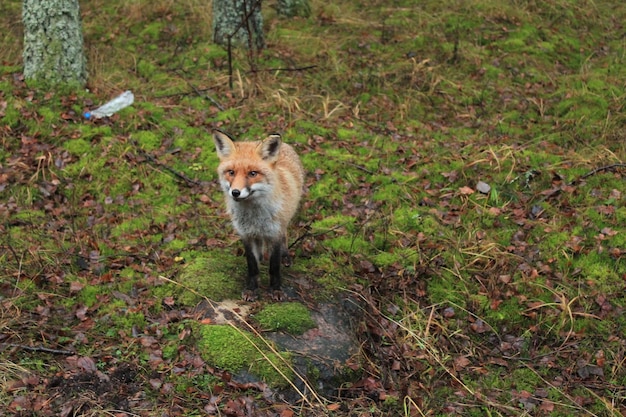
{"x":223,"y":144}
{"x":270,"y":147}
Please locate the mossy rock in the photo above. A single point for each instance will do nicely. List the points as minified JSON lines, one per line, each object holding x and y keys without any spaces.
{"x":293,"y":318}
{"x":217,"y":276}
{"x":237,"y":351}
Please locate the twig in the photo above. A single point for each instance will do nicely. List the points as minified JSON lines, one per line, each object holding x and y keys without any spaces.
{"x":557,"y":190}
{"x":182,"y":93}
{"x":308,"y":67}
{"x":200,"y":92}
{"x":306,"y":233}
{"x":172,"y":171}
{"x":598,"y":170}
{"x":40,"y":349}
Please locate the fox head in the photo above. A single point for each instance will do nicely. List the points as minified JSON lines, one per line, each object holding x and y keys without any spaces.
{"x":246,"y":169}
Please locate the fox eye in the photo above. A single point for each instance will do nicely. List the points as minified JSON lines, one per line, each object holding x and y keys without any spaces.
{"x":253,"y":174}
{"x":230,"y":172}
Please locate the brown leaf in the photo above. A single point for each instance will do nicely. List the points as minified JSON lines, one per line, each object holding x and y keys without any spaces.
{"x":461,"y":362}
{"x":466,"y":190}
{"x":479,"y":326}
{"x":81,"y":312}
{"x":547,"y":406}
{"x":86,"y":363}
{"x":608,"y":231}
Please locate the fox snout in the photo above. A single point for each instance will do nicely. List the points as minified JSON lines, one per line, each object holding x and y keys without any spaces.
{"x":238,"y":194}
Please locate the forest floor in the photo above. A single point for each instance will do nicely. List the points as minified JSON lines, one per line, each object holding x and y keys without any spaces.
{"x":460,"y":249}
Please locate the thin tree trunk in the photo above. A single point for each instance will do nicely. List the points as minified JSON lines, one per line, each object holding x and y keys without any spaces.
{"x":238,"y":23}
{"x":53,"y":42}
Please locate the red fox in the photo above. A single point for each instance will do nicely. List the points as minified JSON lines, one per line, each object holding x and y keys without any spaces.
{"x":262,"y":183}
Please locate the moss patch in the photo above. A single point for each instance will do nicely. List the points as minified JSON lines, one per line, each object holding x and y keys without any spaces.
{"x":217,"y":276}
{"x":236,"y":350}
{"x":293,"y":318}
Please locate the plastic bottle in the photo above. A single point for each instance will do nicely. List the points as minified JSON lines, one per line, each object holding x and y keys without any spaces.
{"x":108,"y":109}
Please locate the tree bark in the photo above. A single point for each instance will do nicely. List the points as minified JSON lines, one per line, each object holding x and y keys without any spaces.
{"x":53,"y":42}
{"x":239,"y":21}
{"x":291,"y":8}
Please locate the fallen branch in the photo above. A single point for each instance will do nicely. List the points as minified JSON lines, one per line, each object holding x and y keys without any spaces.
{"x":200,"y":92}
{"x":160,"y":165}
{"x":555,"y":191}
{"x":308,"y":67}
{"x":40,"y":349}
{"x":598,"y":170}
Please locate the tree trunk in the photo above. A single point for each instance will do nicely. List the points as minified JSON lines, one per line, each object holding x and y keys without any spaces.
{"x":291,"y":8}
{"x":240,"y":21}
{"x":53,"y":42}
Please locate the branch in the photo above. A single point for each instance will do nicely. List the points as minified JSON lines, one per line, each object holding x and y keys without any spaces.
{"x":598,"y":170}
{"x":308,"y":67}
{"x":40,"y":349}
{"x":199,"y":92}
{"x":172,"y":171}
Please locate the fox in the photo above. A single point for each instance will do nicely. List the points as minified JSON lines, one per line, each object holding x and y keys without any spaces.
{"x":263,"y":185}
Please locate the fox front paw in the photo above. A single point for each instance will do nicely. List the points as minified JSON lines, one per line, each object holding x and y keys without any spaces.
{"x":278,"y":295}
{"x":249,"y":295}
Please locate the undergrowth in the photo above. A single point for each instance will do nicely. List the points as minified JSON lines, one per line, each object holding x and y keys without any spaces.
{"x":465,"y":184}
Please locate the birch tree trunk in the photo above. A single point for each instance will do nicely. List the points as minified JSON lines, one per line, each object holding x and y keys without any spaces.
{"x":240,"y":21}
{"x":53,"y":42}
{"x":291,"y":8}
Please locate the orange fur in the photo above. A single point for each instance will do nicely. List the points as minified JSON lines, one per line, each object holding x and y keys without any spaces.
{"x":262,"y":182}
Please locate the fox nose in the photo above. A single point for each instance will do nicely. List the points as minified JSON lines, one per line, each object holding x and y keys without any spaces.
{"x":235,"y":193}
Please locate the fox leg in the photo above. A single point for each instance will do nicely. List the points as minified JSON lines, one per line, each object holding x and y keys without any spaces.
{"x":252,"y":283}
{"x":275,"y":279}
{"x":284,"y":252}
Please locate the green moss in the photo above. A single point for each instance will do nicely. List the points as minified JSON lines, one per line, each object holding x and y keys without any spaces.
{"x":292,"y":317}
{"x":349,"y":244}
{"x":130,"y":226}
{"x":177,"y":244}
{"x":88,"y":295}
{"x":77,"y":146}
{"x":229,"y":114}
{"x":217,"y":276}
{"x":127,"y":320}
{"x":525,"y":379}
{"x":237,"y":350}
{"x":447,"y":288}
{"x":147,"y":140}
{"x":146,"y":69}
{"x":34,"y":216}
{"x":333,"y":222}
{"x":600,"y":271}
{"x":152,"y":30}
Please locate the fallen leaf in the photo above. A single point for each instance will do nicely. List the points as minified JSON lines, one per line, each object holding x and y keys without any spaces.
{"x":86,"y":363}
{"x":461,"y":362}
{"x":466,"y":190}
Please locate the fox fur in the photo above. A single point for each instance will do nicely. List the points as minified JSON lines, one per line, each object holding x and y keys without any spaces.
{"x":262,"y":183}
